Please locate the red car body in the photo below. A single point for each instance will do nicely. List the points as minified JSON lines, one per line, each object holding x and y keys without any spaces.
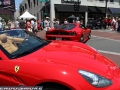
{"x":70,"y":32}
{"x":56,"y":65}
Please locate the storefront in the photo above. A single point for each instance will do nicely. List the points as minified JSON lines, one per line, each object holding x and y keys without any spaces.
{"x":115,"y":12}
{"x":63,"y":11}
{"x":97,"y":12}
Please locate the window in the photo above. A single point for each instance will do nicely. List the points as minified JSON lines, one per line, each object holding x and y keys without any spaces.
{"x":25,"y":6}
{"x":34,"y":2}
{"x":37,"y":2}
{"x":66,"y":26}
{"x":111,"y":0}
{"x":29,"y":3}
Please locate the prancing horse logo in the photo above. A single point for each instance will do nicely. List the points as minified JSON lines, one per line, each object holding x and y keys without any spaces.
{"x":17,"y":68}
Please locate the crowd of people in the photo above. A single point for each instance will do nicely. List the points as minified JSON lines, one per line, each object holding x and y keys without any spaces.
{"x":112,"y":23}
{"x":34,"y":25}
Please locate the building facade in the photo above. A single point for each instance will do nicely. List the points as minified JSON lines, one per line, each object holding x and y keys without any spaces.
{"x":62,"y":9}
{"x":7,"y":9}
{"x":32,"y":6}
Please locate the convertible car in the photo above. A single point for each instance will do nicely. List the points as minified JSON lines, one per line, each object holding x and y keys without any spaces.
{"x":28,"y":60}
{"x":69,"y":32}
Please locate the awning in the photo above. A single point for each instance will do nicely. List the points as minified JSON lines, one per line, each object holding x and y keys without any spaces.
{"x":97,"y":9}
{"x":69,"y":8}
{"x":115,"y":10}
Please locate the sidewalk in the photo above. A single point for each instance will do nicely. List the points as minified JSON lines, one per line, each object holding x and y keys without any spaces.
{"x":108,"y":30}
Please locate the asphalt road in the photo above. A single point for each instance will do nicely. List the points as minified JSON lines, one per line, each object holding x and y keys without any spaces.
{"x":105,"y":41}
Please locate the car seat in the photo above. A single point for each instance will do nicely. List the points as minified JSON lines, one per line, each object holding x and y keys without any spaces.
{"x":7,"y":44}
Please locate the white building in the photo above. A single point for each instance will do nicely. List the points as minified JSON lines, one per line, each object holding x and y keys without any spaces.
{"x":16,"y":13}
{"x":60,"y":10}
{"x":33,"y":6}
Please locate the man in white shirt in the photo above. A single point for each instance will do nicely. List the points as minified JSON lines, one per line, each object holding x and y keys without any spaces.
{"x":47,"y":24}
{"x":65,"y":21}
{"x":32,"y":23}
{"x":78,"y":22}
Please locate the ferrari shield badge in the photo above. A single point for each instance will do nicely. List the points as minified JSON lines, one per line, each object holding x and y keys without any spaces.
{"x":17,"y":68}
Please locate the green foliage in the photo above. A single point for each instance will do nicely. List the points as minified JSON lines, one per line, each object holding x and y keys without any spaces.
{"x":6,"y":17}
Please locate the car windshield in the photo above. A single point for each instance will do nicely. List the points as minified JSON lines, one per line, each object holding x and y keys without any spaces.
{"x":66,"y":26}
{"x":18,"y":43}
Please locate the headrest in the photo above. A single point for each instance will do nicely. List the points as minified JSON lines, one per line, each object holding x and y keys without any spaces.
{"x":3,"y":38}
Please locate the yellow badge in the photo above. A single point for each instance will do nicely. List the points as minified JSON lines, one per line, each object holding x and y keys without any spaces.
{"x":17,"y":68}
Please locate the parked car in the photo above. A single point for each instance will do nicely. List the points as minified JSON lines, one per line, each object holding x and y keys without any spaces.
{"x":69,"y":32}
{"x":54,"y":65}
{"x":95,"y":24}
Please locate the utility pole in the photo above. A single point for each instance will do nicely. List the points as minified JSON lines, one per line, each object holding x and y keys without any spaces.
{"x":106,"y":1}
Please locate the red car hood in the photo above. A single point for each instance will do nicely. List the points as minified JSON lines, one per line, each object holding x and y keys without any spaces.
{"x":74,"y":54}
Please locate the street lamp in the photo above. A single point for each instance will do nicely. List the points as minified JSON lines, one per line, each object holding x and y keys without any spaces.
{"x":106,"y":7}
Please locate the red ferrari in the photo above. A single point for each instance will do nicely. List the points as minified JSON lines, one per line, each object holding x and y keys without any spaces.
{"x":28,"y":60}
{"x":69,"y":32}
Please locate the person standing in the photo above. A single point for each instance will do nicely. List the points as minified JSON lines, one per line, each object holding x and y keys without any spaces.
{"x":16,"y":24}
{"x":65,"y":21}
{"x":32,"y":24}
{"x":47,"y":24}
{"x":58,"y":22}
{"x":9,"y":24}
{"x":0,"y":25}
{"x":116,"y":23}
{"x":35,"y":27}
{"x":22,"y":24}
{"x":3,"y":24}
{"x":78,"y":21}
{"x":109,"y":23}
{"x":28,"y":26}
{"x":113,"y":23}
{"x":55,"y":24}
{"x":105,"y":21}
{"x":41,"y":25}
{"x":118,"y":29}
{"x":38,"y":24}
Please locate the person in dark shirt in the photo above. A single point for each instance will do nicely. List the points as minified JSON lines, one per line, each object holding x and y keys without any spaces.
{"x":22,"y":24}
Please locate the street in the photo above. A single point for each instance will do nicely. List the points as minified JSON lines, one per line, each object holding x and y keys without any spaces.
{"x":108,"y":43}
{"x":105,"y":41}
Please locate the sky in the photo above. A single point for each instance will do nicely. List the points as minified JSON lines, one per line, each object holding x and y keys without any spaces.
{"x":17,"y":2}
